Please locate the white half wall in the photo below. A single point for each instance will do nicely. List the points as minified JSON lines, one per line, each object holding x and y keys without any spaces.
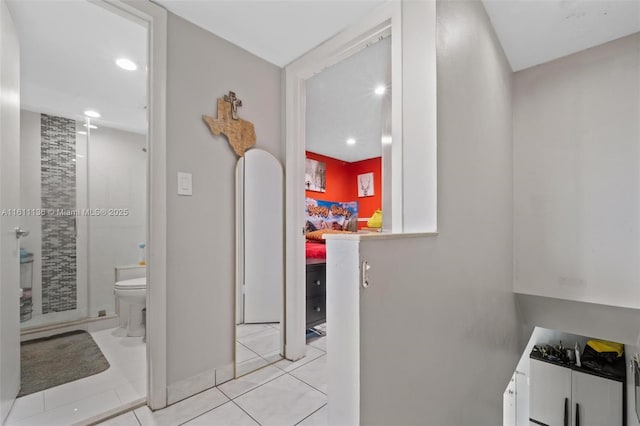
{"x":440,"y":334}
{"x":577,"y":176}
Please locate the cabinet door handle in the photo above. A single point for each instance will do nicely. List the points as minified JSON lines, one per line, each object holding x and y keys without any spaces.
{"x":577,"y":414}
{"x":317,"y":309}
{"x":566,"y":412}
{"x":318,"y":282}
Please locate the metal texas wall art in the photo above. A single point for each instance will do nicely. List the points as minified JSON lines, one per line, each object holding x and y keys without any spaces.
{"x":240,"y":133}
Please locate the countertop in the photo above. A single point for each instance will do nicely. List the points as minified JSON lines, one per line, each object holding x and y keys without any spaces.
{"x":620,"y":374}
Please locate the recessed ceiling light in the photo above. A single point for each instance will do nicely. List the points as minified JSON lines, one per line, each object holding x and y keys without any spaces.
{"x":386,"y":139}
{"x":91,"y":126}
{"x":351,"y":141}
{"x":380,"y":90}
{"x":82,"y":133}
{"x":126,"y":64}
{"x":92,"y":114}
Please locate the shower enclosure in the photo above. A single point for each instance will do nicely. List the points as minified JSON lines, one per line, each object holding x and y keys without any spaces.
{"x":83,"y":190}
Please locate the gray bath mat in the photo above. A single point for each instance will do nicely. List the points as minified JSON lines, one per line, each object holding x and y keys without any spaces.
{"x":59,"y":359}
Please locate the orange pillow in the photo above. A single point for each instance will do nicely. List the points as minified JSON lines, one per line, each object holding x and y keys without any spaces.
{"x":317,"y":235}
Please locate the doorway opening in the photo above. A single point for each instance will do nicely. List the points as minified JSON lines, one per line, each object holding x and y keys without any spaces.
{"x":84,"y":190}
{"x":348,"y":141}
{"x":365,"y":120}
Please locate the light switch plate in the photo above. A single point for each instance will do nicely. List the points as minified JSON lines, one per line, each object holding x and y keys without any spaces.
{"x":185,"y":183}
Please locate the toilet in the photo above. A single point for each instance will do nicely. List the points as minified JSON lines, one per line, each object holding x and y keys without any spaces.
{"x":131,"y":297}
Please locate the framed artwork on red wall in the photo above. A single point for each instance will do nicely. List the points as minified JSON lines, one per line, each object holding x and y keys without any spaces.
{"x":315,"y":175}
{"x":365,"y":185}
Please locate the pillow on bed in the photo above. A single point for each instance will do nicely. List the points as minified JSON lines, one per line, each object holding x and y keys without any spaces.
{"x":317,"y":235}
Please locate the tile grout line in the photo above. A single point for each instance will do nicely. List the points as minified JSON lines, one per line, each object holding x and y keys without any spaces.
{"x":282,"y":375}
{"x":210,"y":409}
{"x":259,"y":331}
{"x":202,"y":414}
{"x":136,"y":416}
{"x":306,"y":363}
{"x":286,"y":373}
{"x":245,"y":411}
{"x":320,"y":349}
{"x":260,"y":385}
{"x":257,"y":355}
{"x":324,"y":405}
{"x":252,"y":389}
{"x":308,"y":384}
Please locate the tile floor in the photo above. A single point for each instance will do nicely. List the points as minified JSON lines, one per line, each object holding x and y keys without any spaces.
{"x":283,"y":394}
{"x":257,"y":345}
{"x":125,"y":381}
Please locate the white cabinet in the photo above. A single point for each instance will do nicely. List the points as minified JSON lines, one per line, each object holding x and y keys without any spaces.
{"x":560,"y":396}
{"x":550,"y":391}
{"x":598,"y":400}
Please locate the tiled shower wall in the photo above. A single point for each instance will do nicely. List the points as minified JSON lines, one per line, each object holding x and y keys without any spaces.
{"x":58,"y":174}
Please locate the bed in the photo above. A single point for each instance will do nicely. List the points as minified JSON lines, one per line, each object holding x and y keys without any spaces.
{"x":315,"y":250}
{"x":323,"y":217}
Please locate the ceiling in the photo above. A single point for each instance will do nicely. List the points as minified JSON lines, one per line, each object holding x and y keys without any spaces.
{"x":68,"y":51}
{"x":275,"y":30}
{"x":534,"y":32}
{"x":341,"y":104}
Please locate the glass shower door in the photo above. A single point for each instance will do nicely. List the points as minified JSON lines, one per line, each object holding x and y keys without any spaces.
{"x":54,"y":290}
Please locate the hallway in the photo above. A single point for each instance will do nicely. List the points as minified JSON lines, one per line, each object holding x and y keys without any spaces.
{"x":286,"y":393}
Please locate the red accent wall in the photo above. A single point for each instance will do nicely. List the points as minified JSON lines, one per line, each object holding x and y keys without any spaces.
{"x":338,"y":172}
{"x":342,"y":183}
{"x":368,"y":205}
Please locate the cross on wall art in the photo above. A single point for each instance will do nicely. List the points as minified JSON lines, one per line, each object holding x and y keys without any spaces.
{"x":365,"y":185}
{"x":240,"y":133}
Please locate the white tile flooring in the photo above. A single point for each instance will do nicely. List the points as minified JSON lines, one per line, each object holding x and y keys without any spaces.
{"x":283,"y":394}
{"x":125,"y":381}
{"x":257,"y":345}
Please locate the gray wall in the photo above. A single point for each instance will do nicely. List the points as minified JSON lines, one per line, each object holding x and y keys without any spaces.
{"x":451,"y":334}
{"x":201,"y":233}
{"x":577,"y":180}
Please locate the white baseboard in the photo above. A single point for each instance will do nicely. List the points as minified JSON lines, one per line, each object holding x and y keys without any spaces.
{"x":86,"y":324}
{"x":190,"y":386}
{"x":103,"y":323}
{"x":198,"y":383}
{"x":114,"y":412}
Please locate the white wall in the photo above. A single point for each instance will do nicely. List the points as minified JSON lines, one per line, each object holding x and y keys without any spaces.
{"x":440,"y":331}
{"x":577,"y":176}
{"x":117,"y":179}
{"x":201,"y":230}
{"x":419,"y":117}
